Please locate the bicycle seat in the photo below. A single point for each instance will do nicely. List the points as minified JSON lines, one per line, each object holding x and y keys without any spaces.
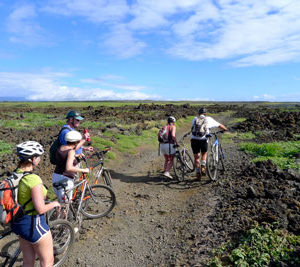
{"x":208,"y":135}
{"x":61,"y":184}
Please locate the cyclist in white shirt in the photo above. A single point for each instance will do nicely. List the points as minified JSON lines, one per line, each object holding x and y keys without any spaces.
{"x":199,"y":141}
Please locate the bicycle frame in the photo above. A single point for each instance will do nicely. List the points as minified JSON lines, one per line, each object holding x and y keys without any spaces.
{"x":215,"y":155}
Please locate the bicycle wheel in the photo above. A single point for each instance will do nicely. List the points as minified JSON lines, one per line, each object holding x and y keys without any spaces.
{"x":188,"y":161}
{"x":11,"y":253}
{"x":107,"y":178}
{"x":221,"y":157}
{"x":99,"y":200}
{"x":63,"y":237}
{"x":179,"y":168}
{"x":212,"y":163}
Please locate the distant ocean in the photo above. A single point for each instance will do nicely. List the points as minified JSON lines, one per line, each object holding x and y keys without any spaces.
{"x":11,"y":98}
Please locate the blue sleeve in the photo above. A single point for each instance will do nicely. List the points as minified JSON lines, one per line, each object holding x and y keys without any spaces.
{"x":62,"y":136}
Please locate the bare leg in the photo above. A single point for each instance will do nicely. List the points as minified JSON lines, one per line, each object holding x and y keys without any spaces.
{"x":169,"y":162}
{"x":197,"y":160}
{"x":28,"y":253}
{"x":44,"y":250}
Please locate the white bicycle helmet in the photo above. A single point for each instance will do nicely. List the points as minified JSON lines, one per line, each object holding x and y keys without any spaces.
{"x":29,"y":149}
{"x":73,"y":136}
{"x":171,"y":119}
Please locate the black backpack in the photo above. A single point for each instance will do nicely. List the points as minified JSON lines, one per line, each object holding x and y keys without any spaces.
{"x":55,"y":145}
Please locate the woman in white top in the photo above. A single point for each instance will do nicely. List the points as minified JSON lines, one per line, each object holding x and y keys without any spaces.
{"x":199,"y":142}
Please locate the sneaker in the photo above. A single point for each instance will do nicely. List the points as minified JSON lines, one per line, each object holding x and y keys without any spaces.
{"x":203,"y":170}
{"x":198,"y":175}
{"x":76,"y":230}
{"x":167,"y":174}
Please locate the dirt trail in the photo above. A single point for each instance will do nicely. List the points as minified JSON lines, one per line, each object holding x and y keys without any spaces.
{"x":156,"y":221}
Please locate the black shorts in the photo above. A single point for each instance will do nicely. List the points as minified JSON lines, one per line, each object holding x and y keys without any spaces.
{"x":199,"y":146}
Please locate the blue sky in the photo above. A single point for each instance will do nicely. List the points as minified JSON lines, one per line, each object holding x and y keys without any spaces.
{"x":219,"y":50}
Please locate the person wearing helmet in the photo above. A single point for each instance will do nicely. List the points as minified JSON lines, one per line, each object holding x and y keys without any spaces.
{"x":67,"y":164}
{"x":201,"y":126}
{"x":167,"y":146}
{"x":73,"y":122}
{"x":34,"y":233}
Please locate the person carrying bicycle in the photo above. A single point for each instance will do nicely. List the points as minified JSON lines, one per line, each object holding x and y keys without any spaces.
{"x":74,"y":119}
{"x":67,"y":163}
{"x":167,"y":141}
{"x":33,"y":231}
{"x":201,"y":126}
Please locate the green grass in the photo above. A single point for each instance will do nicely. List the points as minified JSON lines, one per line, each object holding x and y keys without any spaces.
{"x":30,"y":120}
{"x":281,"y":153}
{"x":258,"y":247}
{"x":236,"y":120}
{"x":101,"y":143}
{"x":5,"y":148}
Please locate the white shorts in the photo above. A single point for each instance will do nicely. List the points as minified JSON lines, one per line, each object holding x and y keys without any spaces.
{"x":60,"y":193}
{"x":167,"y":149}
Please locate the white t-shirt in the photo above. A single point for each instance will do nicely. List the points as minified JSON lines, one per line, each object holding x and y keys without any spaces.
{"x":210,"y":122}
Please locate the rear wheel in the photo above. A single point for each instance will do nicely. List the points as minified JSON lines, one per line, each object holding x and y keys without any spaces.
{"x":188,"y":161}
{"x":212,"y":163}
{"x":63,"y":237}
{"x":99,"y":200}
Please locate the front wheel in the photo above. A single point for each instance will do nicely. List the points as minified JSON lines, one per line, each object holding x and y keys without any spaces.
{"x":99,"y":200}
{"x":63,"y":238}
{"x":179,"y":168}
{"x":212,"y":163}
{"x":107,"y":178}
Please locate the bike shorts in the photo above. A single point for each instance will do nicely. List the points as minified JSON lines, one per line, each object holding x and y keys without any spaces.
{"x":30,"y":227}
{"x":167,"y":149}
{"x":61,"y":193}
{"x":199,"y":146}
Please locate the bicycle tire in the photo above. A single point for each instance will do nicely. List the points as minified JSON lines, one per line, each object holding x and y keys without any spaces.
{"x":63,"y":238}
{"x":99,"y":200}
{"x":179,"y":168}
{"x":107,"y":178}
{"x":12,"y":248}
{"x":188,"y":161}
{"x":221,"y":157}
{"x":212,"y":164}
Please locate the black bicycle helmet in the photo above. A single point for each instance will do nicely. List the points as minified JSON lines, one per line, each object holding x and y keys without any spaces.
{"x":74,"y":114}
{"x":171,"y":119}
{"x":202,"y":111}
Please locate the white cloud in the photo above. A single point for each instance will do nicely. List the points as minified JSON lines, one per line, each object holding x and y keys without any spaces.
{"x":258,"y":33}
{"x":247,"y":33}
{"x":121,"y":42}
{"x":47,"y":86}
{"x":96,"y":11}
{"x":22,"y":25}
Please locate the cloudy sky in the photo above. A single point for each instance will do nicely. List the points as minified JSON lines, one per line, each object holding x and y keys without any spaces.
{"x":150,"y":49}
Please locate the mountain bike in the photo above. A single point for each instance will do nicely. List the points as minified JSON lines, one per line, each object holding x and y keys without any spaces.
{"x":215,"y":155}
{"x":98,"y":172}
{"x":63,"y":238}
{"x":183,"y":162}
{"x":92,"y":201}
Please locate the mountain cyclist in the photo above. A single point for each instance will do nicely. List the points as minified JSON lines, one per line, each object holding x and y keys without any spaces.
{"x":34,"y":233}
{"x":167,"y":146}
{"x":199,"y":142}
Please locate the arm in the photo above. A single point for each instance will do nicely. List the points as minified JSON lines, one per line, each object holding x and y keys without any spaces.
{"x":69,"y":165}
{"x":223,"y":127}
{"x":39,"y":202}
{"x":173,"y":134}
